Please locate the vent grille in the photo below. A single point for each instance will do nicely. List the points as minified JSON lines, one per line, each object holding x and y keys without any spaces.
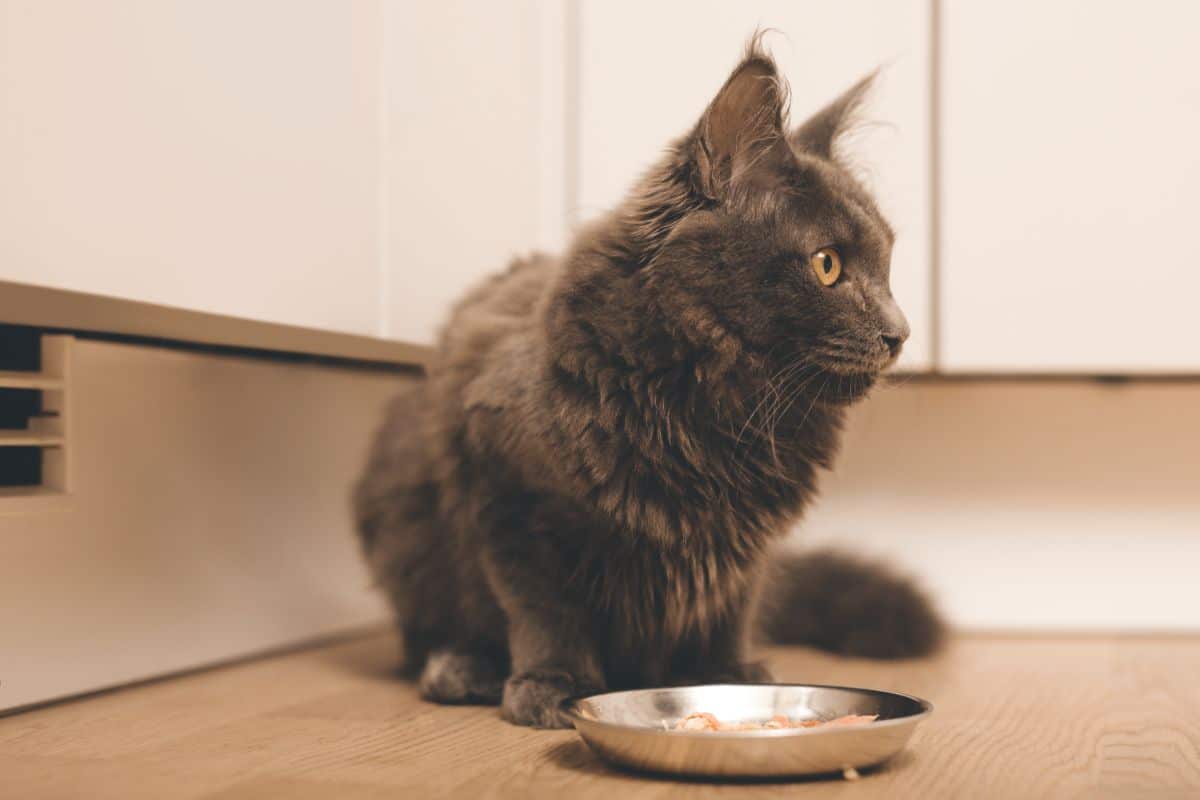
{"x":34,"y":422}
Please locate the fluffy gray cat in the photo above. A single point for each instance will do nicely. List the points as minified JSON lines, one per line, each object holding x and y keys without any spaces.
{"x":585,"y":492}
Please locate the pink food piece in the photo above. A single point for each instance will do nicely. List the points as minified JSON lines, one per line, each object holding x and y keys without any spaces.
{"x":704,"y":721}
{"x":740,"y":726}
{"x":700,"y":721}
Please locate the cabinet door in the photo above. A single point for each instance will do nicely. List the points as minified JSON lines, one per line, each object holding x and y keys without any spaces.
{"x":462,"y":170}
{"x":1072,"y":186}
{"x":212,"y":154}
{"x":647,"y":71}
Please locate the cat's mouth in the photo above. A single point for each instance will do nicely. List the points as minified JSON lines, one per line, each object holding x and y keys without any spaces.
{"x":847,"y":380}
{"x":852,"y":360}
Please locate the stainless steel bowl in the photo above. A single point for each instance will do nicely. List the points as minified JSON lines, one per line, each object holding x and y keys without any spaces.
{"x":634,"y":729}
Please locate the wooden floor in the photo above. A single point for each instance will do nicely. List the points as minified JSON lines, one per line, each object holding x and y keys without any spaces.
{"x":1016,"y":717}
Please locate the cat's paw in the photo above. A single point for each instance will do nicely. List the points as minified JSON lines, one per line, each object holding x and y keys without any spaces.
{"x":450,"y":677}
{"x":535,"y":698}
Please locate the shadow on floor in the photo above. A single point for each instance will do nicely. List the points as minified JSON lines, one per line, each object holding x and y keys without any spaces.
{"x":577,"y":757}
{"x":373,"y":655}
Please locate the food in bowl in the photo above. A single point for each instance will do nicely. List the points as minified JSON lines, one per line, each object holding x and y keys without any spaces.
{"x":704,"y":721}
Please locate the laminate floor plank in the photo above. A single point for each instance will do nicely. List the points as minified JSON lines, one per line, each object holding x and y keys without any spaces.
{"x":1016,"y":716}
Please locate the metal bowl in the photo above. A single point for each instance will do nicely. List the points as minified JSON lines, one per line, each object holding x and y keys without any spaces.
{"x":634,"y":729}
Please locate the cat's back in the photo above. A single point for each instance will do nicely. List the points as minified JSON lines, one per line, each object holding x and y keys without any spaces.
{"x":501,"y":301}
{"x":496,"y":325}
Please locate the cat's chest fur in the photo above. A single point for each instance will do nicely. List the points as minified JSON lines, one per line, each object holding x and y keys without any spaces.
{"x":649,"y":599}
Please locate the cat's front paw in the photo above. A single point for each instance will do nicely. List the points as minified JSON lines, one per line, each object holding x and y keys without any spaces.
{"x":535,"y":698}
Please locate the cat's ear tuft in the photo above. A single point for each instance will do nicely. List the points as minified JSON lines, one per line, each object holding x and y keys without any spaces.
{"x":820,"y":132}
{"x":743,"y":124}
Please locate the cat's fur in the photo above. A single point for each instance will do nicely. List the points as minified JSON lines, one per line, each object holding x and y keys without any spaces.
{"x":585,"y":492}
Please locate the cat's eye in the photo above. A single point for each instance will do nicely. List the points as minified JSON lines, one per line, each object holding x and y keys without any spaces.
{"x":827,"y":265}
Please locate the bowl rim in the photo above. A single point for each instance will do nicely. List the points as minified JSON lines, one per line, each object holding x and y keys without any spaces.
{"x":569,"y":707}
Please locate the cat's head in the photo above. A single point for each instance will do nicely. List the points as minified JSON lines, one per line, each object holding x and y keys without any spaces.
{"x":758,"y":226}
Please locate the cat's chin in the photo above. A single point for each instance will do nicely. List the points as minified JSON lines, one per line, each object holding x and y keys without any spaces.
{"x":843,"y":388}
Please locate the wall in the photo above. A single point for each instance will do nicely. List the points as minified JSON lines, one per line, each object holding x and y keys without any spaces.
{"x":1028,"y":504}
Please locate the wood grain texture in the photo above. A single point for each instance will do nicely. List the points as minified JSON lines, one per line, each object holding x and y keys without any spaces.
{"x":1020,"y":717}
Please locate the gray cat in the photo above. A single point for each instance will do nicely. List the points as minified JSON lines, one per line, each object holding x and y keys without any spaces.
{"x":585,"y":492}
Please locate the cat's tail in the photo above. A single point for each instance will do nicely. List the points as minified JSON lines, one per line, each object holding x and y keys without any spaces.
{"x":848,"y":605}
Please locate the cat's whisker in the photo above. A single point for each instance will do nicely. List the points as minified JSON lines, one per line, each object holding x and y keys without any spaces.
{"x":790,"y":369}
{"x":795,"y":375}
{"x":891,"y":383}
{"x":768,"y":433}
{"x":795,"y":395}
{"x":772,"y":427}
{"x":813,"y":404}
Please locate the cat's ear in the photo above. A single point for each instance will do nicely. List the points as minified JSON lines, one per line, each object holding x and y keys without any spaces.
{"x":820,"y":132}
{"x":742,"y":126}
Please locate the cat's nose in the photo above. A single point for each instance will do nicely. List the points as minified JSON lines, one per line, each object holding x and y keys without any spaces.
{"x":894,"y":342}
{"x":895,"y":333}
{"x":893,"y":325}
{"x":894,"y":328}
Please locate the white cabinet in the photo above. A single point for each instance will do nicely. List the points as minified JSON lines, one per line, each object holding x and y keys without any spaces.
{"x":461,"y":172}
{"x":357,"y":165}
{"x":200,"y":526}
{"x":218,"y":155}
{"x":646,"y":71}
{"x":1071,"y":187}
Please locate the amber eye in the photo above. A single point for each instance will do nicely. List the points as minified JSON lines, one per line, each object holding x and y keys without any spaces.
{"x":827,"y":265}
